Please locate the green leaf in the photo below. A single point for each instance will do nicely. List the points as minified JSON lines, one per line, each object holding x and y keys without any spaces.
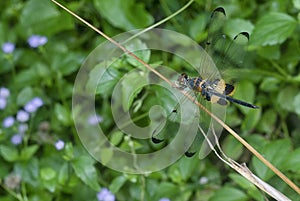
{"x":117,"y":183}
{"x":267,"y":122}
{"x":28,"y":152}
{"x":166,"y":189}
{"x":85,"y":170}
{"x":272,"y":29}
{"x":245,"y":91}
{"x":197,"y":26}
{"x":24,"y":96}
{"x":63,"y":174}
{"x":104,"y":79}
{"x":292,"y":161}
{"x":232,"y":147}
{"x":270,"y":52}
{"x":47,"y":173}
{"x":286,"y":98}
{"x":275,"y":152}
{"x":66,"y":63}
{"x":10,"y":154}
{"x":124,"y":14}
{"x":132,"y":84}
{"x":48,"y":176}
{"x":187,"y":167}
{"x":62,"y":114}
{"x":251,"y":120}
{"x":229,"y":194}
{"x":41,"y":16}
{"x":140,"y":49}
{"x":232,"y":29}
{"x":269,"y":84}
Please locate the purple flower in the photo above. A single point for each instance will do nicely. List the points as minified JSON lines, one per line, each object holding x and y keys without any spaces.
{"x":203,"y":180}
{"x":22,"y":116}
{"x":59,"y":145}
{"x":8,"y":47}
{"x":105,"y":195}
{"x":33,"y":105}
{"x":16,"y":139}
{"x":23,"y":128}
{"x":4,"y":92}
{"x":3,"y":103}
{"x":164,"y":199}
{"x":95,"y":119}
{"x":35,"y":41}
{"x":8,"y":122}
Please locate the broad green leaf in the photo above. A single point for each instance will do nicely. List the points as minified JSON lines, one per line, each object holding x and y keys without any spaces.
{"x":267,"y":122}
{"x":66,"y":63}
{"x":85,"y":170}
{"x":275,"y":152}
{"x":132,"y":84}
{"x":270,"y":52}
{"x":272,"y":29}
{"x":24,"y":96}
{"x":232,"y":147}
{"x":29,"y":171}
{"x":124,"y":14}
{"x":292,"y":161}
{"x":197,"y":26}
{"x":245,"y":91}
{"x":187,"y":167}
{"x":104,"y":79}
{"x":269,"y":84}
{"x":63,"y":174}
{"x":166,"y":189}
{"x":62,"y":114}
{"x":286,"y":98}
{"x":232,"y":29}
{"x":117,"y":183}
{"x":229,"y":194}
{"x":251,"y":120}
{"x":10,"y":154}
{"x":106,"y":155}
{"x":47,"y":173}
{"x":140,"y":49}
{"x":48,"y":176}
{"x":41,"y":17}
{"x":28,"y":152}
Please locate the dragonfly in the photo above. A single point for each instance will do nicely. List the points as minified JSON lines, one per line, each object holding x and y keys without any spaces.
{"x":208,"y":85}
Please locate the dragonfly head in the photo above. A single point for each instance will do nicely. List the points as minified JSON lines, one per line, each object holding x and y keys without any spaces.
{"x":182,"y":81}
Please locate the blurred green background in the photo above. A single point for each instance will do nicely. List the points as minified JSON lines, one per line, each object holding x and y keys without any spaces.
{"x":43,"y":48}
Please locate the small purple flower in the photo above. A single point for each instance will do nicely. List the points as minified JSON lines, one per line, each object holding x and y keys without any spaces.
{"x":3,"y":103}
{"x":164,"y":199}
{"x":22,"y":116}
{"x":95,"y":119}
{"x":59,"y":145}
{"x":16,"y":139}
{"x":8,"y":47}
{"x":4,"y":92}
{"x":35,"y":41}
{"x":23,"y":128}
{"x":203,"y":180}
{"x":8,"y":122}
{"x":33,"y":105}
{"x":105,"y":195}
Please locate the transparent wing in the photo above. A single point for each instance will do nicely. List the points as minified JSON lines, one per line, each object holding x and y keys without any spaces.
{"x":225,"y":52}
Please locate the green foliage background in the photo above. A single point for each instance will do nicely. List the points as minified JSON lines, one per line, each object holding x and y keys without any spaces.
{"x":272,"y":81}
